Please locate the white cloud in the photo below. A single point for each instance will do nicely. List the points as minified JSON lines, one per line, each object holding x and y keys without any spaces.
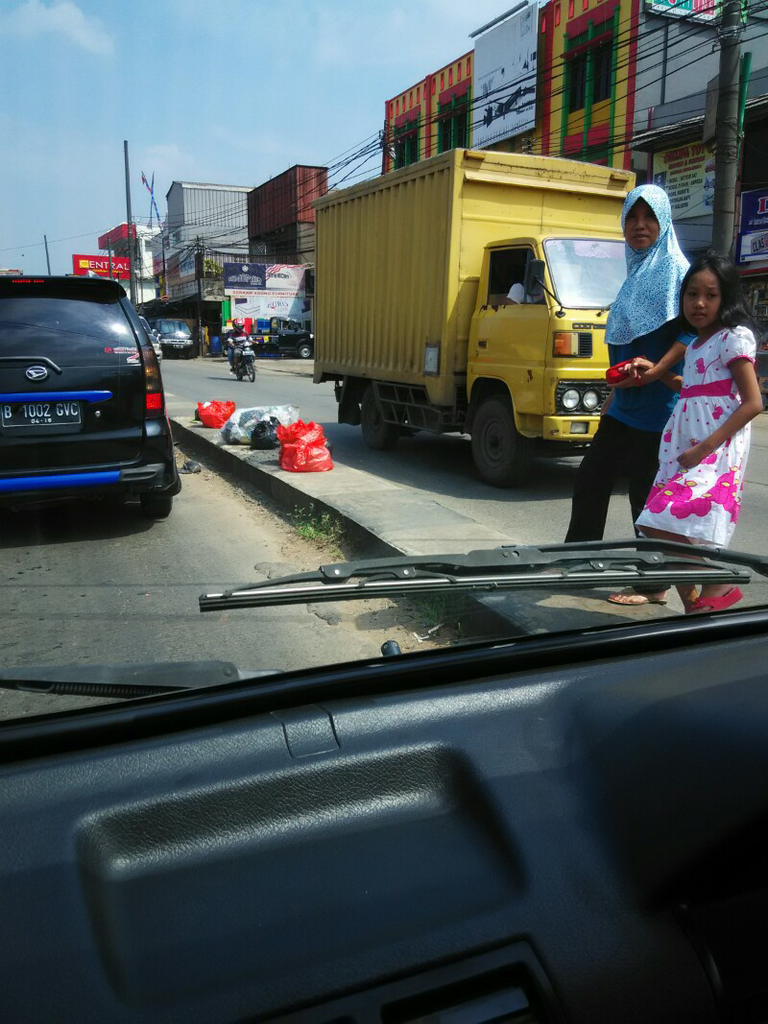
{"x":62,"y":18}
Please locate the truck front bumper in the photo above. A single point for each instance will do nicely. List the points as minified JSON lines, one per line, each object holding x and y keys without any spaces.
{"x":569,"y":428}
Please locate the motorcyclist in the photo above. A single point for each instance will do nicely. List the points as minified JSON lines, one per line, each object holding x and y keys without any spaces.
{"x":236,"y":338}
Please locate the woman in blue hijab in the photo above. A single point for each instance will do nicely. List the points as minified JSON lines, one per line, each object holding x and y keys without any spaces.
{"x":643,"y":321}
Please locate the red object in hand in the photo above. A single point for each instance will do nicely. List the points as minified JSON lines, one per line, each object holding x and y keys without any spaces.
{"x":618,"y":373}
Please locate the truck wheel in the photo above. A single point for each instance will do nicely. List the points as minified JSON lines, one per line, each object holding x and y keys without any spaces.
{"x":305,"y":351}
{"x":501,"y":455}
{"x":376,"y":433}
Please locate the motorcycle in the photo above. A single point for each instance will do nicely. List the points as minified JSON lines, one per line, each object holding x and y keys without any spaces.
{"x":245,"y":361}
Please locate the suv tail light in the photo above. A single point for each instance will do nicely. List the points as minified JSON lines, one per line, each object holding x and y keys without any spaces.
{"x":153,"y":384}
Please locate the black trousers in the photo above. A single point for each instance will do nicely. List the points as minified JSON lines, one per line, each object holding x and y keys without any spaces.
{"x":615,"y":448}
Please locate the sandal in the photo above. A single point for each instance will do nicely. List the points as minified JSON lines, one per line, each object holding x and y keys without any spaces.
{"x":643,"y":599}
{"x":716,"y":604}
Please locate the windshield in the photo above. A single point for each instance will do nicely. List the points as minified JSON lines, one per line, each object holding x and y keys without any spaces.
{"x":586,"y":272}
{"x":409,"y":389}
{"x":174,"y":327}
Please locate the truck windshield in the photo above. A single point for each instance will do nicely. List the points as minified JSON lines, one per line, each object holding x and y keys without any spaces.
{"x":586,"y":272}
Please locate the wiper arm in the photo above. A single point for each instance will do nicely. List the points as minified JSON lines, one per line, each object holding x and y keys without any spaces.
{"x":122,"y":682}
{"x":555,"y":566}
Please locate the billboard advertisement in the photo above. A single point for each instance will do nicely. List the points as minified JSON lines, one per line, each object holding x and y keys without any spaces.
{"x":752,"y":241}
{"x":244,"y":277}
{"x":83,"y":264}
{"x":691,"y":10}
{"x":262,"y":305}
{"x":687,"y":175}
{"x":505,"y":78}
{"x":257,"y":277}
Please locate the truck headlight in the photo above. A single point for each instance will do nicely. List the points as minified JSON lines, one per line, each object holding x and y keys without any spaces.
{"x":571,"y":399}
{"x":590,"y":400}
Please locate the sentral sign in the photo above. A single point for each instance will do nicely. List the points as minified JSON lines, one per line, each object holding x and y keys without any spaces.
{"x":117,"y":267}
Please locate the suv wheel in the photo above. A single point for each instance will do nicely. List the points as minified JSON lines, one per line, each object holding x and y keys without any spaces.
{"x":156,"y":506}
{"x":305,"y":350}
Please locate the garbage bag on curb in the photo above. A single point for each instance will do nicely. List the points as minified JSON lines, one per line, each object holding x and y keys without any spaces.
{"x":303,"y":448}
{"x":214,"y":414}
{"x":264,"y":436}
{"x":239,"y":428}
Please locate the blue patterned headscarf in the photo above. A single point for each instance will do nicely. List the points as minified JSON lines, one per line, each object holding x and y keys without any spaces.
{"x":650,"y":295}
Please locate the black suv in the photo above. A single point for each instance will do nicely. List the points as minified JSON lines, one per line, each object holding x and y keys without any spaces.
{"x":82,"y":410}
{"x":290,"y":338}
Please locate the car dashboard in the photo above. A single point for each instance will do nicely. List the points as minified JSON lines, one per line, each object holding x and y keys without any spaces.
{"x":558,"y":829}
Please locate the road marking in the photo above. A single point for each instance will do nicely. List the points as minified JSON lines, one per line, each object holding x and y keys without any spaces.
{"x":169,"y":394}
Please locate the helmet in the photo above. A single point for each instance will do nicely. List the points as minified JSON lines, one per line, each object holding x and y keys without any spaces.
{"x":239,"y":323}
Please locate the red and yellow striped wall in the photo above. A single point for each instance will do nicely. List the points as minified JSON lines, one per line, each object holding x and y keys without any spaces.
{"x":570,"y":33}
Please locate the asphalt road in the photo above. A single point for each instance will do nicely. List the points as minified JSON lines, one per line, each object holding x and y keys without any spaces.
{"x":91,"y":584}
{"x":442,"y":466}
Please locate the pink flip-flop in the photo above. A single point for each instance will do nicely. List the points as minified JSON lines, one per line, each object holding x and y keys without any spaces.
{"x":716,"y":604}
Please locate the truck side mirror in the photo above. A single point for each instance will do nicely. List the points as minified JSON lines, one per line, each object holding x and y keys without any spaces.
{"x":534,"y":277}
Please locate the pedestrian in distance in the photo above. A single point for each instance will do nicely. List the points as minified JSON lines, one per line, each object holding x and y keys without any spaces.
{"x":696,"y":495}
{"x":643,"y":321}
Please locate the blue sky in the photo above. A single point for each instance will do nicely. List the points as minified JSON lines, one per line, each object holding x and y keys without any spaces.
{"x":233,"y":91}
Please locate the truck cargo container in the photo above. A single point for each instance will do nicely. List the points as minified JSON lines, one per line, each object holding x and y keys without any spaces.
{"x":413,"y":321}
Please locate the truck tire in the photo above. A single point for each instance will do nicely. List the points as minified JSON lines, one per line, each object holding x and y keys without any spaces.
{"x":305,"y":350}
{"x":376,"y":433}
{"x":502,"y":456}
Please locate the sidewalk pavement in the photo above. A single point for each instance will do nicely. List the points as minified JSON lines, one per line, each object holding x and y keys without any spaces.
{"x":388,"y":519}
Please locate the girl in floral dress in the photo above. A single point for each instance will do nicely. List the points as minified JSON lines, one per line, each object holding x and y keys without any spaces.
{"x":703,"y":454}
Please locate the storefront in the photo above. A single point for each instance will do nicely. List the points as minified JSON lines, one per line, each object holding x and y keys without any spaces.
{"x":751,"y":251}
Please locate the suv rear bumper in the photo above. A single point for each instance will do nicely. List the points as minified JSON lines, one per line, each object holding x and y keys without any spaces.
{"x":128,"y":482}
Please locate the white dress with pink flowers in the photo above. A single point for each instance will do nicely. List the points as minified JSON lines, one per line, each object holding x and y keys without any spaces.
{"x":703,"y":502}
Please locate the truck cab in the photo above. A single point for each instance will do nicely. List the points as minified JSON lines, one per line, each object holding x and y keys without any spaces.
{"x":536,"y":366}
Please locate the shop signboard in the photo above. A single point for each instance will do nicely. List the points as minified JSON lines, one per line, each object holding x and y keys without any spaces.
{"x":244,"y":277}
{"x":285,"y":278}
{"x":83,"y":264}
{"x":752,"y":241}
{"x":266,"y":304}
{"x":505,"y":78}
{"x":691,"y":10}
{"x":687,"y":175}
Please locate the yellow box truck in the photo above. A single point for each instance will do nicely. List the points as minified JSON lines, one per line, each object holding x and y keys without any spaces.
{"x":469,"y":293}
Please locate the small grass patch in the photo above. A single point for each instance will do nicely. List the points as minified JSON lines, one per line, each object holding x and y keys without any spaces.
{"x":319,"y":527}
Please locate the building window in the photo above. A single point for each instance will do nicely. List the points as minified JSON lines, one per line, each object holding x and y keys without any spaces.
{"x":452,"y":126}
{"x":577,"y":83}
{"x":406,"y":145}
{"x":601,"y":72}
{"x":557,"y":15}
{"x":570,"y":9}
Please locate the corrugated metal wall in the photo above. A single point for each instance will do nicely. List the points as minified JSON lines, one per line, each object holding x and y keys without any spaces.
{"x":286,"y":199}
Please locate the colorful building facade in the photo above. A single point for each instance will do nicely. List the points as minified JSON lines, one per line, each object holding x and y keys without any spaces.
{"x":585,"y":90}
{"x":430,"y":117}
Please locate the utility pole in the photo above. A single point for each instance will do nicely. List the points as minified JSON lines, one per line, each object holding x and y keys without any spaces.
{"x":130,"y":223}
{"x":727,"y":128}
{"x":199,"y":289}
{"x":47,"y":257}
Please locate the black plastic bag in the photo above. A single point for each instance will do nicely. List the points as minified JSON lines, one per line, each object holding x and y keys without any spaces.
{"x":264,"y":436}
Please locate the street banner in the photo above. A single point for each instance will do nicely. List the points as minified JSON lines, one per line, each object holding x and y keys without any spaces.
{"x":266,"y":304}
{"x":286,"y":278}
{"x":505,"y":78}
{"x":752,"y":240}
{"x":687,"y":175}
{"x":244,"y":276}
{"x":83,"y":264}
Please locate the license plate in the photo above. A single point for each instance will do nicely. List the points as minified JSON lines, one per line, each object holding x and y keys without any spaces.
{"x":39,"y":414}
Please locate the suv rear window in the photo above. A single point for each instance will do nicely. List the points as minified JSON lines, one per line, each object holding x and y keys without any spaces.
{"x":102,"y":320}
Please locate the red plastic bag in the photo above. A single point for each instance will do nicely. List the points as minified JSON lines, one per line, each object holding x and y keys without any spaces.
{"x":214,"y":414}
{"x":301,"y":433}
{"x":305,"y":458}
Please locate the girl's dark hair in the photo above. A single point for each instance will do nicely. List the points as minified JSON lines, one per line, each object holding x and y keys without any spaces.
{"x":734,"y":308}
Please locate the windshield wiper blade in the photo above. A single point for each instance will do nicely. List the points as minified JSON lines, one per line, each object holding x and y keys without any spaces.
{"x":554,"y":566}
